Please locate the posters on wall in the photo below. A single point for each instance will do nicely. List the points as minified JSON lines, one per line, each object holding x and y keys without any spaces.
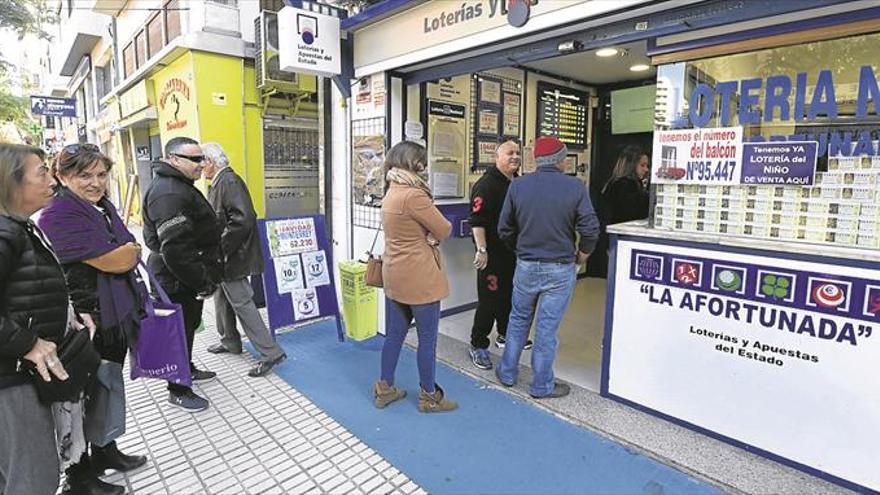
{"x":698,"y":156}
{"x":447,"y":148}
{"x":367,"y":181}
{"x":486,"y":152}
{"x":288,"y":273}
{"x":511,"y":114}
{"x":316,"y":269}
{"x":784,"y":342}
{"x":490,"y":90}
{"x":488,"y":122}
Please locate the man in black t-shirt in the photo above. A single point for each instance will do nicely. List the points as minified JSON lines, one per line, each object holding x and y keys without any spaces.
{"x":494,"y":261}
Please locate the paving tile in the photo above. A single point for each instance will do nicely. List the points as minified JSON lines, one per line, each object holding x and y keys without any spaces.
{"x":259,"y":436}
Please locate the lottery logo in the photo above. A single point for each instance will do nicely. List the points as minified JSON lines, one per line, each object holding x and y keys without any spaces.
{"x":772,"y":285}
{"x":308,"y":28}
{"x":316,"y":267}
{"x":518,"y":12}
{"x":729,"y":279}
{"x":687,"y":272}
{"x":648,"y":267}
{"x":829,"y":294}
{"x":872,"y":301}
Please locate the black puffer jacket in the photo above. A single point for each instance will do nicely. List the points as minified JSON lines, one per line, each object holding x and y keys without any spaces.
{"x":240,"y":244}
{"x":33,"y":296}
{"x":182,"y":233}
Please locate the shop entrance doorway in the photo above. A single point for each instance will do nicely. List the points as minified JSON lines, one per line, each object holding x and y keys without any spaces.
{"x":622,"y":89}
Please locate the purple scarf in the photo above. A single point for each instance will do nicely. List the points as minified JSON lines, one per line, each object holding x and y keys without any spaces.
{"x":79,"y":232}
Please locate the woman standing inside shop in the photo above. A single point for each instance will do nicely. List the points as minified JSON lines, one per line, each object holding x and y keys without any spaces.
{"x":33,"y":319}
{"x":413,"y":274}
{"x":625,"y":197}
{"x":99,"y":256}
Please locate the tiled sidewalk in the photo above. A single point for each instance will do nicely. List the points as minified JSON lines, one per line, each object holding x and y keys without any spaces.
{"x":258,"y":436}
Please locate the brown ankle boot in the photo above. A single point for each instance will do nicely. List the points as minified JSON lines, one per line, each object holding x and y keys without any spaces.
{"x":386,"y":394}
{"x":435,"y":402}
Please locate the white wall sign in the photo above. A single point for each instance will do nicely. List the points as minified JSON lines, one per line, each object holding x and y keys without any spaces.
{"x":308,"y":42}
{"x":697,"y":156}
{"x":774,"y":353}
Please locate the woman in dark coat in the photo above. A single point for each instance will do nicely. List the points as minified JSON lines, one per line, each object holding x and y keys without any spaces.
{"x":623,"y":198}
{"x":100,"y":257}
{"x":33,"y":320}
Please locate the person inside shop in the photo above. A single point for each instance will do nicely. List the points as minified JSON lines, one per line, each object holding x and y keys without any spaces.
{"x":494,"y":261}
{"x":33,"y":320}
{"x":542,"y":214}
{"x":413,"y":275}
{"x":623,"y":198}
{"x":99,"y":256}
{"x":242,"y":258}
{"x":183,"y":235}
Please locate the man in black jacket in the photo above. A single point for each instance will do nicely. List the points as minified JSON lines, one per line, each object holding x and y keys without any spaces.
{"x":181,"y":231}
{"x":494,"y":261}
{"x":242,"y":257}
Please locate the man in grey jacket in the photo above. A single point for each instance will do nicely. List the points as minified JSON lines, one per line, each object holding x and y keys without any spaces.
{"x":242,"y":257}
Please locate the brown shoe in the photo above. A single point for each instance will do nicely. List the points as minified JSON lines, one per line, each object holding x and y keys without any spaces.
{"x":435,"y":402}
{"x":386,"y":394}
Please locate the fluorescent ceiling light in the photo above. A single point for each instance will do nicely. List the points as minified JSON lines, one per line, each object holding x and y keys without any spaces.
{"x":640,"y":67}
{"x":606,"y":52}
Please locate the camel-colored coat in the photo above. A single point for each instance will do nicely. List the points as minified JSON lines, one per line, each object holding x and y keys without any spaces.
{"x":412,"y":269}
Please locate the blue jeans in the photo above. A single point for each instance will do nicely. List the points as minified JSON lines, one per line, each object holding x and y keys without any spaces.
{"x":552,"y":284}
{"x":398,"y":317}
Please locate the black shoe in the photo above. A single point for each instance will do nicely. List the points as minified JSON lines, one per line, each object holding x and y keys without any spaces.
{"x":109,"y":457}
{"x":265,"y":366}
{"x":202,"y":375}
{"x":188,"y":401}
{"x":559,"y":390}
{"x":501,"y":341}
{"x":81,"y":480}
{"x":221,"y":349}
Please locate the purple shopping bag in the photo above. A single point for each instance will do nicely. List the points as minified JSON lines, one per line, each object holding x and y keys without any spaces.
{"x":161,"y":351}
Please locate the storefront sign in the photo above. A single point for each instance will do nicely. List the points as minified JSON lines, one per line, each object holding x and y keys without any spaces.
{"x":771,"y":352}
{"x":176,"y":101}
{"x":309,"y":42}
{"x":805,"y":98}
{"x":698,"y":156}
{"x":49,"y":105}
{"x":134,"y":100}
{"x":433,"y":29}
{"x":780,"y":164}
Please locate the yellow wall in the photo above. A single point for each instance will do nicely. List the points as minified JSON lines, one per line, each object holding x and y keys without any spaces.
{"x":253,"y":129}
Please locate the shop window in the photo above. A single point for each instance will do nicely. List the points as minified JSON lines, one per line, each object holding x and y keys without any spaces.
{"x":172,"y":20}
{"x":820,"y":89}
{"x":128,"y":60}
{"x":155,"y":40}
{"x":140,"y":45}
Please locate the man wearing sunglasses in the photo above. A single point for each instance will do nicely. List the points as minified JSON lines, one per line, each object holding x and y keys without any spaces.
{"x":182,"y":233}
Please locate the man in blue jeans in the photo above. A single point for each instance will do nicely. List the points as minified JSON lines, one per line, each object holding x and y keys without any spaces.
{"x":541,"y":215}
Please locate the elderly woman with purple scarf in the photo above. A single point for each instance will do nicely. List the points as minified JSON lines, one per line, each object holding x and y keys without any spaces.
{"x":99,"y":256}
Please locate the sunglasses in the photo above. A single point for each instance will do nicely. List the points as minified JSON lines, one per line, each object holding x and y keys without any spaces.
{"x":72,"y":149}
{"x":192,"y":158}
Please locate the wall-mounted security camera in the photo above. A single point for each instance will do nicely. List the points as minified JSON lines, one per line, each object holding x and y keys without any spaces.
{"x":570,"y":46}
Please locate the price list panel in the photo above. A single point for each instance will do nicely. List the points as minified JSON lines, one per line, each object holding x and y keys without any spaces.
{"x":562,"y":112}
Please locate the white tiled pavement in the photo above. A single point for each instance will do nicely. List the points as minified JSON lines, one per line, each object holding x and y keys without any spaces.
{"x":259,"y":436}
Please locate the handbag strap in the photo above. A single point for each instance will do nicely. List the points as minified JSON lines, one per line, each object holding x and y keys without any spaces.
{"x":375,"y":238}
{"x":155,"y":285}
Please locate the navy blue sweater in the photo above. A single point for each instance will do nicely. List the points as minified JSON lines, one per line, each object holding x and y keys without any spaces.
{"x":541,"y":214}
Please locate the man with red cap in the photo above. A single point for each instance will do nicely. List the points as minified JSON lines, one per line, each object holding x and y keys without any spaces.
{"x":542,"y":214}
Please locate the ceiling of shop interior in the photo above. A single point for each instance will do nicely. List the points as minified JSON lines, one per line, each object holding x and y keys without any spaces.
{"x":586,"y":67}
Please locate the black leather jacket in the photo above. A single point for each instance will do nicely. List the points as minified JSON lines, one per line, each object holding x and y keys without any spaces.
{"x":239,"y":243}
{"x":33,"y":296}
{"x":182,"y":233}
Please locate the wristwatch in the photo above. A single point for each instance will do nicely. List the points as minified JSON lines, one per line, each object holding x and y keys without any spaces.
{"x":481,"y":250}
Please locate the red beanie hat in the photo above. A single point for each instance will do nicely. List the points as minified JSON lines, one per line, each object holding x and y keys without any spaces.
{"x":549,"y":151}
